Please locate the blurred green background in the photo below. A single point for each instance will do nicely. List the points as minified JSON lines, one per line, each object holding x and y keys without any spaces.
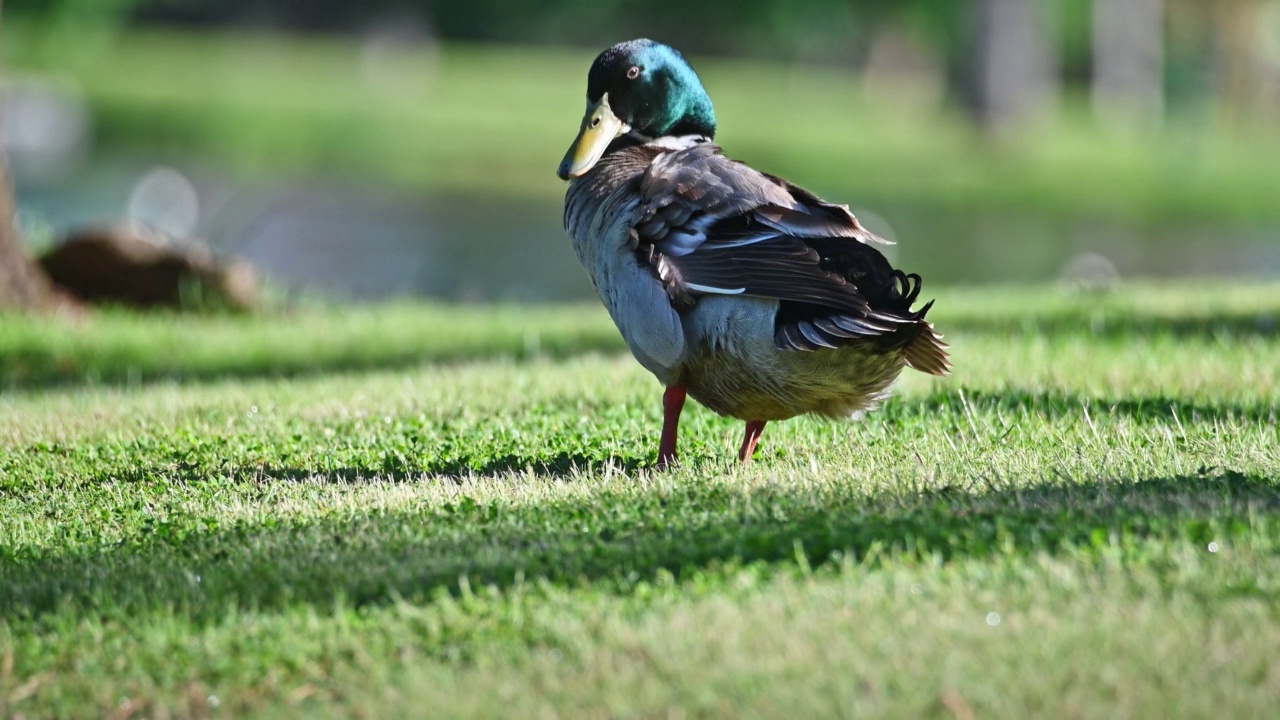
{"x":407,"y":147}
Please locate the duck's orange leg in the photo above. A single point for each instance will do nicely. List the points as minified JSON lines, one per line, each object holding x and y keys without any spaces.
{"x":672,"y":404}
{"x":755,"y":428}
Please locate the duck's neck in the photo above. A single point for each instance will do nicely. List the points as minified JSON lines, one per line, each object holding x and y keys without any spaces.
{"x":688,"y":108}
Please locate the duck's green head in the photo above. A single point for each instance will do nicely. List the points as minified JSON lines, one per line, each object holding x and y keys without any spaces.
{"x":640,"y":87}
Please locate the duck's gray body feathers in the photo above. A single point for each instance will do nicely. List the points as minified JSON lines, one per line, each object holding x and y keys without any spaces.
{"x":760,"y":298}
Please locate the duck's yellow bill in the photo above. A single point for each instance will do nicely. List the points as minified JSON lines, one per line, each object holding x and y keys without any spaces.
{"x":599,"y":128}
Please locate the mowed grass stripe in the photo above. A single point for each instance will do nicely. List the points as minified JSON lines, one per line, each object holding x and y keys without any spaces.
{"x":1083,"y":633}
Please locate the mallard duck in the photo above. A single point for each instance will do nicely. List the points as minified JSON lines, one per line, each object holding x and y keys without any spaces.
{"x":755,"y":297}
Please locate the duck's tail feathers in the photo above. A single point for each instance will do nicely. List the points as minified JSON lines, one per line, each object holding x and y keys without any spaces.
{"x":928,"y":353}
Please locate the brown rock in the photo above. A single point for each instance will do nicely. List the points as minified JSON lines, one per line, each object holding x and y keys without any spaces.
{"x":122,"y":266}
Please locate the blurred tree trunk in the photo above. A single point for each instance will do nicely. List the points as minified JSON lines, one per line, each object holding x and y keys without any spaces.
{"x":1128,"y":63}
{"x":1236,"y":31}
{"x":23,"y":285}
{"x":1013,"y":69}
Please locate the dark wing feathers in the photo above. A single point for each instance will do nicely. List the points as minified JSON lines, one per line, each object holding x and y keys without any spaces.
{"x":709,"y":225}
{"x":840,"y":220}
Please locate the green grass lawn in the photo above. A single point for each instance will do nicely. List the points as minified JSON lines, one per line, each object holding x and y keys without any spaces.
{"x":496,"y":120}
{"x":379,"y":512}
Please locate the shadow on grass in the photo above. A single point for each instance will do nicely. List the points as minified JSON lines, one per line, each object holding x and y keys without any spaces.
{"x":1059,"y":404}
{"x":29,"y":372}
{"x":559,"y":466}
{"x":198,"y":570}
{"x":1113,"y":324}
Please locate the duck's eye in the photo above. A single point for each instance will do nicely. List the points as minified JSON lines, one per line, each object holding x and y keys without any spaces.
{"x":633,"y":72}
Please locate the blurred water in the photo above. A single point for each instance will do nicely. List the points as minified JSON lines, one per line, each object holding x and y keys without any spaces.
{"x":360,"y":241}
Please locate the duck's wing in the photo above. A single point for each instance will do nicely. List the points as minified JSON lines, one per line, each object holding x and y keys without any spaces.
{"x":711,"y":226}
